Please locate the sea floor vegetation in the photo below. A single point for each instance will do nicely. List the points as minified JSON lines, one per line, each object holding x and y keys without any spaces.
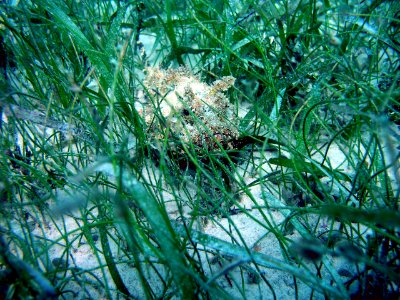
{"x":199,"y":149}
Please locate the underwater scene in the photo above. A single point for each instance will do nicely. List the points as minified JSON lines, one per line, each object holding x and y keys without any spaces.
{"x":199,"y":149}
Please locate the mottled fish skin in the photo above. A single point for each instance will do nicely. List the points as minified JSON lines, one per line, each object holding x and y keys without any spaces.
{"x":183,"y":107}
